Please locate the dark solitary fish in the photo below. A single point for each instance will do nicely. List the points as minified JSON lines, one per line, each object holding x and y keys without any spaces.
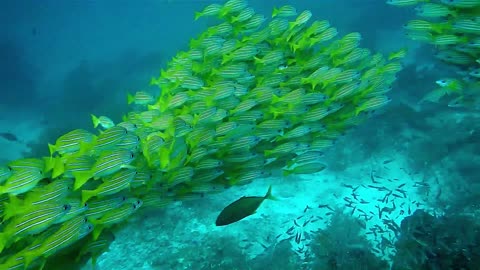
{"x":241,"y":208}
{"x":9,"y":136}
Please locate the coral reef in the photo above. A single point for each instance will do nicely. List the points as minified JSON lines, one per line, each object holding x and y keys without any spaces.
{"x":342,"y":246}
{"x":444,"y":242}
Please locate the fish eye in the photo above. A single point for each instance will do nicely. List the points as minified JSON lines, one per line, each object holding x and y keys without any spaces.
{"x":66,"y":207}
{"x":124,"y":198}
{"x":138,"y":201}
{"x":132,"y":155}
{"x":9,"y":168}
{"x":85,"y":205}
{"x":85,"y":220}
{"x":134,"y":206}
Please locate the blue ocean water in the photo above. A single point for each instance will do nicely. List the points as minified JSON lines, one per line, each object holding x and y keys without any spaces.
{"x":64,"y":60}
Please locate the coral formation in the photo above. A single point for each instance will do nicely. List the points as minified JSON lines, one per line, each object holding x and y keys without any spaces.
{"x":445,"y":242}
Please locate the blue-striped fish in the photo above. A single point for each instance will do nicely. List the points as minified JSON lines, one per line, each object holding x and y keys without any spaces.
{"x":109,"y":138}
{"x":71,"y":141}
{"x":36,"y":220}
{"x":107,"y":163}
{"x":21,"y":181}
{"x":111,"y":184}
{"x":115,"y":216}
{"x":69,"y":233}
{"x":99,"y":207}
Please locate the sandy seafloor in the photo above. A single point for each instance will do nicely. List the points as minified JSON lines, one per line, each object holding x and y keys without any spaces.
{"x":178,"y":236}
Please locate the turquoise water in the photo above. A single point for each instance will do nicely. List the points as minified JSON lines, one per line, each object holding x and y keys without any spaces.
{"x":64,"y":60}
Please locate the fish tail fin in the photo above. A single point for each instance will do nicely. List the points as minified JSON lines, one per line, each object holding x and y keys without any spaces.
{"x":153,"y":107}
{"x":52,"y":149}
{"x":3,"y":241}
{"x":275,"y":12}
{"x":58,"y":167}
{"x":87,"y":194}
{"x":85,"y":148}
{"x":95,"y":121}
{"x":12,"y":208}
{"x":81,"y":178}
{"x":287,"y":172}
{"x":49,"y":163}
{"x":198,"y":15}
{"x":358,"y":110}
{"x":94,"y":262}
{"x":130,"y":98}
{"x":269,"y":195}
{"x":29,"y":257}
{"x":276,"y":99}
{"x":97,"y":231}
{"x":225,"y":58}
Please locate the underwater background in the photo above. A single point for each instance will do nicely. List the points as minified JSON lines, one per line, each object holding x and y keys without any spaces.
{"x":400,"y":190}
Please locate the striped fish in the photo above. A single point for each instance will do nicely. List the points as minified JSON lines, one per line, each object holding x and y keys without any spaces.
{"x":210,"y":10}
{"x":28,"y":163}
{"x":111,"y":185}
{"x":307,"y":157}
{"x":180,"y":175}
{"x":308,"y":168}
{"x":373,"y":104}
{"x":109,"y":138}
{"x":99,"y":207}
{"x":284,"y":11}
{"x":209,"y":163}
{"x":53,"y":192}
{"x":77,"y":208}
{"x":71,"y":141}
{"x":78,"y":164}
{"x":21,"y":181}
{"x":69,"y":233}
{"x":244,"y":15}
{"x":140,"y":98}
{"x":107,"y":163}
{"x":197,"y":154}
{"x":233,"y":6}
{"x":115,"y":216}
{"x":208,"y":176}
{"x":244,"y":106}
{"x":35,"y":221}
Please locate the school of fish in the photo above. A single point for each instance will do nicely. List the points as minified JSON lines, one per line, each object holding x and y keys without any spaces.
{"x":251,"y":98}
{"x":453,"y":28}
